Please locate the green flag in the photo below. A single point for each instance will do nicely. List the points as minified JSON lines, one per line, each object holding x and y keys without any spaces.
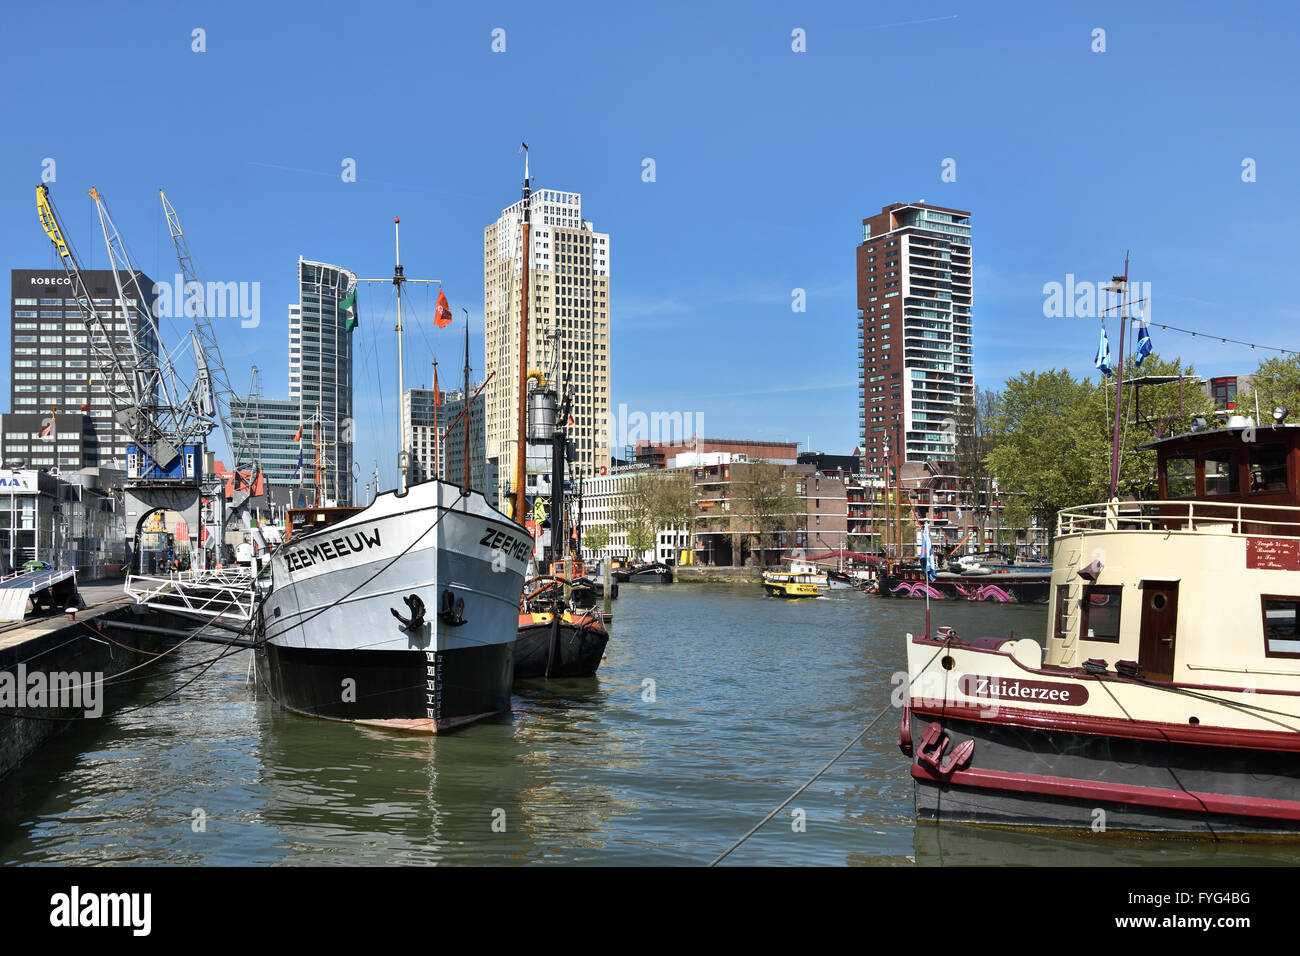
{"x":349,"y":304}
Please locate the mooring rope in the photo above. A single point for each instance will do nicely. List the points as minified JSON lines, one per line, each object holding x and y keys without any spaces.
{"x":813,"y":779}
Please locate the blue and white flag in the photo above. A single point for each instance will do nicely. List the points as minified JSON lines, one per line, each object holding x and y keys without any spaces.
{"x":1144,"y":340}
{"x":927,"y":553}
{"x":1102,"y":361}
{"x":299,"y":468}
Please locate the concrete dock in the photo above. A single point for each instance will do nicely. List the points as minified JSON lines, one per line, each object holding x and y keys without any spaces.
{"x":33,"y":650}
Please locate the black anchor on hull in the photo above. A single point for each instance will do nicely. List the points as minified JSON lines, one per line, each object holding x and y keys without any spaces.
{"x":452,"y":610}
{"x":416,"y":621}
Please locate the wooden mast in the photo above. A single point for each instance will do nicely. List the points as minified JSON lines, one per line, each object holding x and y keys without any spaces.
{"x":437,"y":441}
{"x":466,"y":410}
{"x":521,"y":448}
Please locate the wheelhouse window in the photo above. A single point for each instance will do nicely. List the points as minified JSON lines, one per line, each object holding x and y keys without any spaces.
{"x":1268,"y":468}
{"x":1180,"y":477}
{"x":1281,"y":634}
{"x":1221,"y":473}
{"x":1101,"y":610}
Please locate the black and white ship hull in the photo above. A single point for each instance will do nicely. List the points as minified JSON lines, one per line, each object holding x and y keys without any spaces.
{"x":404,"y":614}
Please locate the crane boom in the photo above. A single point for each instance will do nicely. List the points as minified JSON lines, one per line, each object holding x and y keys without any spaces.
{"x":220,"y":394}
{"x":116,"y":365}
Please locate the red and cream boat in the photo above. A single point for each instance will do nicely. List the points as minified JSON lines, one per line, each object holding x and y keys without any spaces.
{"x":1167,"y":697}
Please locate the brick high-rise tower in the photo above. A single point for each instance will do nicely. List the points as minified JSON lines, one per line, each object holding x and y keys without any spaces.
{"x":914,"y":332}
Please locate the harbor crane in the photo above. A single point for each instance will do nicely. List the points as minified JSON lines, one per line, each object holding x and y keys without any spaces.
{"x":167,"y":422}
{"x":212,"y":376}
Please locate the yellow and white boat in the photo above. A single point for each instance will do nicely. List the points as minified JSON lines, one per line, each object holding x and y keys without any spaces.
{"x":783,"y":584}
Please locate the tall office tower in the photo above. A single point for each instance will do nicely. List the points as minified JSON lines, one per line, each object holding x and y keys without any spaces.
{"x":914,"y":330}
{"x":52,"y":359}
{"x":419,"y":417}
{"x":320,"y":370}
{"x":270,"y":425}
{"x":569,"y":312}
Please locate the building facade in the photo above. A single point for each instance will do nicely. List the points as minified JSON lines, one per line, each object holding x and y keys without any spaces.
{"x":421,"y":439}
{"x":914,"y":331}
{"x":568,"y":324}
{"x":271,"y":424}
{"x":64,"y":441}
{"x":50,"y":347}
{"x":320,"y":369}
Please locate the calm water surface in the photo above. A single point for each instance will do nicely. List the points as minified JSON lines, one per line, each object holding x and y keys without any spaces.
{"x":752,"y":695}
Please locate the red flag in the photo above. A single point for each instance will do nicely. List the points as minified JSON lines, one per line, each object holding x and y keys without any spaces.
{"x":437,"y":395}
{"x":297,"y":436}
{"x":442,"y":317}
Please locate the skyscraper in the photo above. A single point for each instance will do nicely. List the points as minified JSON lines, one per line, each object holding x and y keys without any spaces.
{"x":450,"y":458}
{"x":320,"y":379}
{"x":52,"y":360}
{"x":914,"y":332}
{"x":270,"y":425}
{"x":320,"y":368}
{"x":569,"y":288}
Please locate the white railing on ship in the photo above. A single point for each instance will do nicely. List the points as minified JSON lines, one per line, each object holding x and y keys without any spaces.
{"x":1278,"y":521}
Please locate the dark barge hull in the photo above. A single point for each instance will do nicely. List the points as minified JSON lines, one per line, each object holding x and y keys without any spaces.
{"x":389,"y":688}
{"x":1057,"y":778}
{"x":563,"y":649}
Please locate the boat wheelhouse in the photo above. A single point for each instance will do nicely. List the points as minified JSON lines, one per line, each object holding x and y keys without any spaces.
{"x":1166,"y":696}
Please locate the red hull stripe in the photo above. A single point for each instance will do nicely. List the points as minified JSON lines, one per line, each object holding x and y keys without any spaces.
{"x":1117,"y":793}
{"x":1113,"y":727}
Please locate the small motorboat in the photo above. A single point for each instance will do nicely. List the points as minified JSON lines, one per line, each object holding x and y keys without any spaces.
{"x":783,"y":584}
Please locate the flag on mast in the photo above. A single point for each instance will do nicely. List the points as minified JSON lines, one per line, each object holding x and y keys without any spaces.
{"x":297,"y":436}
{"x":927,"y":553}
{"x":1144,"y":340}
{"x":348,"y":304}
{"x":442,"y":315}
{"x":1102,"y":361}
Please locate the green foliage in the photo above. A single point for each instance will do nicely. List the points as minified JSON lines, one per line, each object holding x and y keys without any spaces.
{"x":1050,"y":437}
{"x":1275,"y":382}
{"x":640,"y":539}
{"x":595,"y":538}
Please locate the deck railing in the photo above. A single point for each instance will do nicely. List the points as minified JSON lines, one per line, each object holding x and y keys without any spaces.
{"x":1222,"y":517}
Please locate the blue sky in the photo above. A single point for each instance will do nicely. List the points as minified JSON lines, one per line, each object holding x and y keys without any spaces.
{"x":766,"y":162}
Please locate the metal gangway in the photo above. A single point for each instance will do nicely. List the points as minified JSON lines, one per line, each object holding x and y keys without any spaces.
{"x":214,"y":594}
{"x":18,"y":588}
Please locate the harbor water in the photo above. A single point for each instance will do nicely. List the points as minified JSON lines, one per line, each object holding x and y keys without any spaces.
{"x":713,"y":705}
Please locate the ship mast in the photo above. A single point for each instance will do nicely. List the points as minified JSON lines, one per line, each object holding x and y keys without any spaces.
{"x":465,"y":393}
{"x":399,"y":279}
{"x":521,"y":448}
{"x":1122,"y":281}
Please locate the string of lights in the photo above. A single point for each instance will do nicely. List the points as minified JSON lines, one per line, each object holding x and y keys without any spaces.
{"x":1225,"y":340}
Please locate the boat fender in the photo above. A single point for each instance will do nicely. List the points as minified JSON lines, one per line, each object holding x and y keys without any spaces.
{"x":416,"y":607}
{"x":905,"y":732}
{"x":1126,"y":668}
{"x":452,"y":609}
{"x":1094,"y":666}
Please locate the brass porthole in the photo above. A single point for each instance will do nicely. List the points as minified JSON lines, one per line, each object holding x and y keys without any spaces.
{"x":1158,"y":601}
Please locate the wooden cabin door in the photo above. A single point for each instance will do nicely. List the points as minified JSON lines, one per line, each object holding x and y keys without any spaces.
{"x":1159,"y":629}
